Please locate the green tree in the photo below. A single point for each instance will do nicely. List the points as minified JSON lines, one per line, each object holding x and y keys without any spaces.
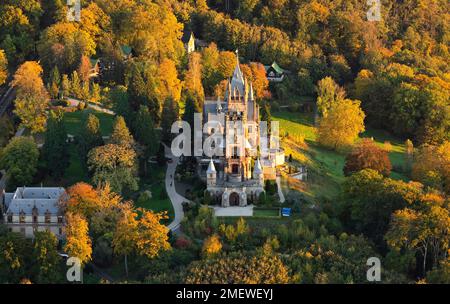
{"x":169,"y":116}
{"x":65,"y":86}
{"x":14,"y":257}
{"x":75,"y":85}
{"x":46,"y":257}
{"x":55,"y":149}
{"x":90,"y":136}
{"x":114,"y":164}
{"x":121,"y":103}
{"x":20,"y":159}
{"x":328,"y":92}
{"x":145,"y":134}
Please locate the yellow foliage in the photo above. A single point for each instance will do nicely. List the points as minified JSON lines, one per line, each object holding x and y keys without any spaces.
{"x":212,"y":245}
{"x":78,"y":243}
{"x":341,"y":127}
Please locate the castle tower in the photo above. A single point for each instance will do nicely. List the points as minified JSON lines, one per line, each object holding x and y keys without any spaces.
{"x":258,"y":173}
{"x":211,"y":175}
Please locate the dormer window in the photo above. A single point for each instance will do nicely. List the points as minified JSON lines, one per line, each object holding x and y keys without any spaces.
{"x":22,"y":217}
{"x":47,"y":217}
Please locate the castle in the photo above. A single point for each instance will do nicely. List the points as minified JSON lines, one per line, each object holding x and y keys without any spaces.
{"x":237,"y":178}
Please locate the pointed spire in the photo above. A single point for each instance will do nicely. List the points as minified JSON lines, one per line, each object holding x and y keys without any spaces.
{"x":211,"y":168}
{"x":250,"y":93}
{"x":258,"y":168}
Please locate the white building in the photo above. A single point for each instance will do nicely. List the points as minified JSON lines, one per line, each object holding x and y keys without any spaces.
{"x":34,"y":209}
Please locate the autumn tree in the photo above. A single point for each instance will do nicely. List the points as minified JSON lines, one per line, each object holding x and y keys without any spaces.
{"x":121,"y":135}
{"x":55,"y":150}
{"x":152,"y":235}
{"x":238,"y":268}
{"x":328,"y":93}
{"x":366,"y":155}
{"x":3,"y":67}
{"x":84,"y":69}
{"x":20,"y":159}
{"x":65,"y":86}
{"x":425,"y":231}
{"x":431,"y":166}
{"x":114,"y":164}
{"x":81,"y":199}
{"x":126,"y":233}
{"x":342,"y":124}
{"x":63,"y":44}
{"x":78,"y":242}
{"x":193,"y":76}
{"x":169,"y":84}
{"x":32,"y":98}
{"x":255,"y":73}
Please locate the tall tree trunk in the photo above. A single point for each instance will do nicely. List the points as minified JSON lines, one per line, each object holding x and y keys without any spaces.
{"x":425,"y":260}
{"x":126,"y":265}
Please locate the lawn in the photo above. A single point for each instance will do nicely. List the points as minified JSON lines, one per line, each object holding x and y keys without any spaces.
{"x":73,"y":121}
{"x":159,"y":200}
{"x":325,"y":167}
{"x":267,"y":213}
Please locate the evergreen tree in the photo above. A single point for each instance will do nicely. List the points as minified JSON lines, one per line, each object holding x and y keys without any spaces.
{"x":121,"y":135}
{"x":169,"y":116}
{"x":75,"y":85}
{"x":121,"y":103}
{"x":55,"y":148}
{"x":65,"y":86}
{"x":54,"y":82}
{"x":145,"y":134}
{"x":90,"y":136}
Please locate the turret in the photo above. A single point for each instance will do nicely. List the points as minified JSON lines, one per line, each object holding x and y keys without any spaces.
{"x":211,"y":174}
{"x":258,"y":173}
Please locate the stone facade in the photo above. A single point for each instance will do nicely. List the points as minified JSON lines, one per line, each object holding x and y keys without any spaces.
{"x":237,"y":177}
{"x":28,"y":210}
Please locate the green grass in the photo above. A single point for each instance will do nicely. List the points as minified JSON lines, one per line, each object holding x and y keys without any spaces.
{"x":155,"y":182}
{"x":157,"y":203}
{"x":74,"y":121}
{"x":326,"y":166}
{"x":266,"y":212}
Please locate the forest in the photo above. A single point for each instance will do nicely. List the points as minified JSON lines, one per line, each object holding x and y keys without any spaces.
{"x":365,"y":105}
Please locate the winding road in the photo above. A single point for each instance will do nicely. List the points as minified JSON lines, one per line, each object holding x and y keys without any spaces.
{"x":176,"y":199}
